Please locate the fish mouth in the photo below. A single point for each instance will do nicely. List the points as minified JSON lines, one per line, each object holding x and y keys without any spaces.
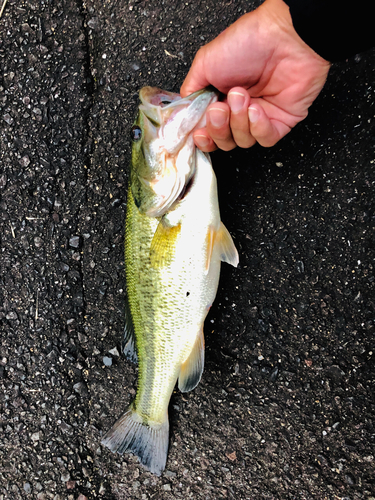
{"x":164,"y":110}
{"x":168,"y":123}
{"x":154,"y":101}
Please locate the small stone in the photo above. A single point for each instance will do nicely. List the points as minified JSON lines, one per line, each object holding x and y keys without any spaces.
{"x":66,"y":428}
{"x":27,"y":488}
{"x":81,"y":389}
{"x":65,"y":476}
{"x":335,"y":373}
{"x":74,"y":242}
{"x":70,"y":485}
{"x":167,"y":487}
{"x":107,"y":361}
{"x":349,"y":479}
{"x":93,"y":23}
{"x":11,"y":315}
{"x":82,"y":337}
{"x":114,"y":352}
{"x":35,"y":437}
{"x":169,"y":473}
{"x":7,"y":118}
{"x":300,"y":267}
{"x":24,"y":161}
{"x":116,"y":202}
{"x":38,"y":242}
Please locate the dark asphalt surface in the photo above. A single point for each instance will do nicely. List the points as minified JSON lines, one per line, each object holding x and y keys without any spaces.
{"x":285,"y":409}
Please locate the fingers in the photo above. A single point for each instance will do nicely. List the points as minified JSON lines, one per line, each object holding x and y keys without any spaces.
{"x":242,"y":122}
{"x":217,"y":133}
{"x":227,"y":124}
{"x":239,"y":100}
{"x":203,"y":141}
{"x":268,"y":123}
{"x":218,"y":126}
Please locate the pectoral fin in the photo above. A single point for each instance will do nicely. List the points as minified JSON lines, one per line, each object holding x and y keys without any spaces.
{"x":163,"y":244}
{"x":226,"y":247}
{"x":223,"y":243}
{"x":192,"y":369}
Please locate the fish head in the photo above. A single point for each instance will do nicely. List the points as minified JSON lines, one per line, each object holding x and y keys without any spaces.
{"x":163,"y":151}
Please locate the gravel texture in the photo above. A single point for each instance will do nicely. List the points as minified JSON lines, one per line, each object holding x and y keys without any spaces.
{"x":285,"y":409}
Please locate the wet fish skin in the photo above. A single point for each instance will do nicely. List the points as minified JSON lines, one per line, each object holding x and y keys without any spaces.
{"x":172,"y":272}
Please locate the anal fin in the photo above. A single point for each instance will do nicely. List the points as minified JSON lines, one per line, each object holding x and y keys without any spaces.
{"x":192,"y":368}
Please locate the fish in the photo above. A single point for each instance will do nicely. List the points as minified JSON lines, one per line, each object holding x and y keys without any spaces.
{"x":174,"y":245}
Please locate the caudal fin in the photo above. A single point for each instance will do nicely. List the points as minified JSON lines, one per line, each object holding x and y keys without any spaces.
{"x":148,"y":442}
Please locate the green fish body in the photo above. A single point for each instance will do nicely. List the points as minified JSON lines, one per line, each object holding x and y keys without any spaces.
{"x":174,"y":245}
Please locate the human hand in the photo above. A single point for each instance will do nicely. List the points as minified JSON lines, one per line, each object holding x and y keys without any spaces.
{"x":269,"y":75}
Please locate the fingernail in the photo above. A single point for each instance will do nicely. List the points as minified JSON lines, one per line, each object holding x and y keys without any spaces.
{"x":253,"y":114}
{"x":201,"y":141}
{"x":218,"y":117}
{"x":236,"y":101}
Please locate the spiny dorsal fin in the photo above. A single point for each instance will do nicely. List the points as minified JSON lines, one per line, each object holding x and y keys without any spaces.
{"x":226,"y":247}
{"x":192,"y":369}
{"x":129,"y":346}
{"x":163,"y":244}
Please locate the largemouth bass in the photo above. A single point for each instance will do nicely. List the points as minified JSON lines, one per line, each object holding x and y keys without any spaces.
{"x":174,"y":245}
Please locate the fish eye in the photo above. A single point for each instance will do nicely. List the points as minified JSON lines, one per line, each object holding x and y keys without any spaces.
{"x":136,"y":133}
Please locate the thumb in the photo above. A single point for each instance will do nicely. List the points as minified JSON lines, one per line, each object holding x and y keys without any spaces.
{"x":196,"y":78}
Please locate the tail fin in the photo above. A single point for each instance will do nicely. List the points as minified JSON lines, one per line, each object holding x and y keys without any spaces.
{"x":148,"y":441}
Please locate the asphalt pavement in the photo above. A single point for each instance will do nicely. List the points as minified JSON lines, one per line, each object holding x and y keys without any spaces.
{"x":285,"y":408}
